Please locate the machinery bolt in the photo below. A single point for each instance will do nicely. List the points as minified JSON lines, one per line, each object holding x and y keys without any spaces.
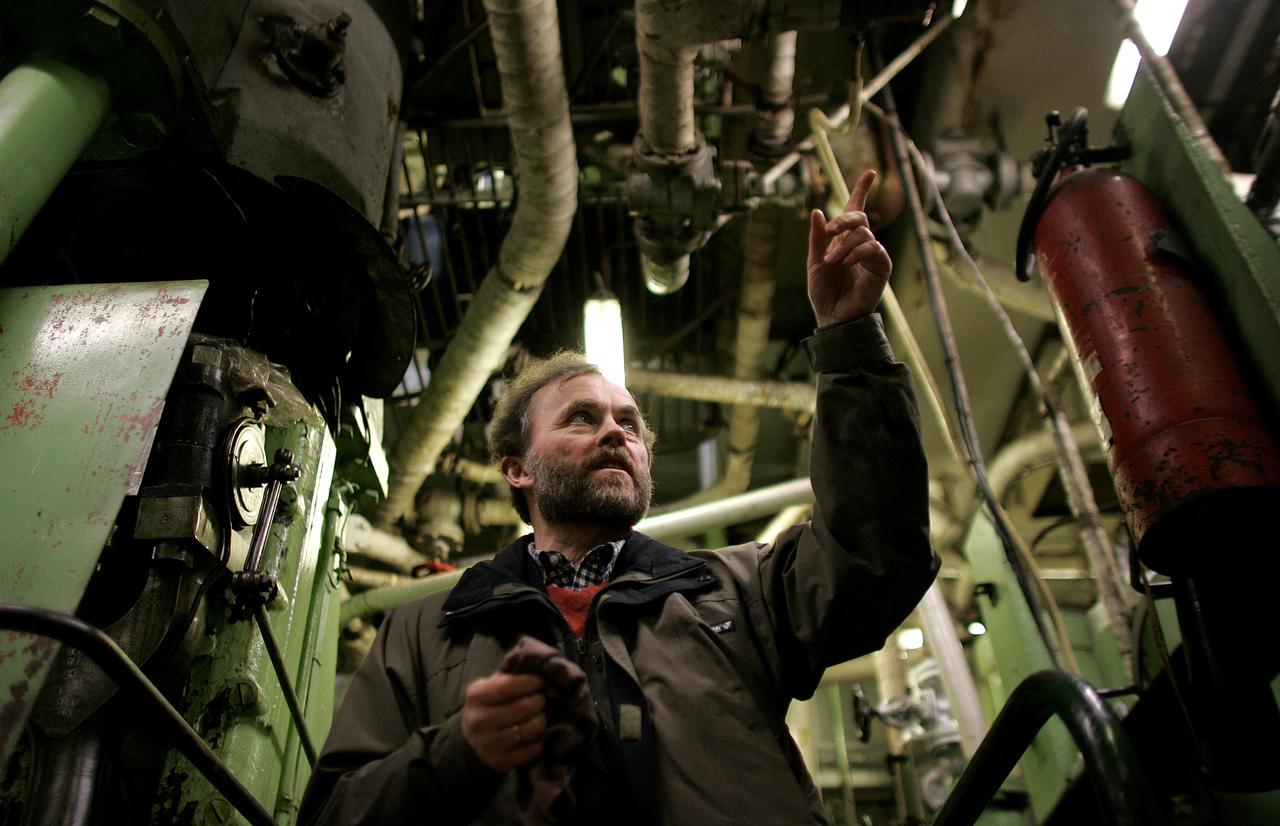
{"x":98,"y":32}
{"x":214,"y":811}
{"x":242,"y":695}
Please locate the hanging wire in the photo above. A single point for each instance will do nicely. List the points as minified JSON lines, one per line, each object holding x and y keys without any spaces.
{"x":1099,"y":548}
{"x":1019,"y":556}
{"x":819,"y":124}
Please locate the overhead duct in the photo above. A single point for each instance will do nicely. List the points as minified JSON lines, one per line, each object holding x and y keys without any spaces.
{"x":526,"y":40}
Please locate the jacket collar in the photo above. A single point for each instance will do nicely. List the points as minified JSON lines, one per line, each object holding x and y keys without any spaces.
{"x":512,"y":573}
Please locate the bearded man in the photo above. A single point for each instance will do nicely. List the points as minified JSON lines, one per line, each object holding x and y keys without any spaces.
{"x":691,"y":658}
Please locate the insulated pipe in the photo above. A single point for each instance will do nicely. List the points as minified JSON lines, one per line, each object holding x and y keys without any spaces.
{"x":361,"y":537}
{"x":1036,"y":450}
{"x":944,"y":644}
{"x":526,"y":40}
{"x":731,"y":511}
{"x":797,"y":396}
{"x":367,"y":578}
{"x":383,"y":599}
{"x":1027,"y":453}
{"x":759,"y":283}
{"x":49,"y":111}
{"x":666,"y":117}
{"x":755,"y":313}
{"x":793,"y":515}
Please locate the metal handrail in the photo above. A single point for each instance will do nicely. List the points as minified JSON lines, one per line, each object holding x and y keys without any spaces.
{"x":1124,"y":798}
{"x":125,"y":672}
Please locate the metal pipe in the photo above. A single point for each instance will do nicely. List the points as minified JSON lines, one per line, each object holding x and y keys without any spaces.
{"x":962,"y":692}
{"x":361,"y":537}
{"x":731,"y":511}
{"x":286,"y":685}
{"x":840,"y":743}
{"x":108,"y":656}
{"x":49,"y":111}
{"x":526,"y":41}
{"x":781,"y":395}
{"x":891,"y":683}
{"x":1036,"y":450}
{"x":755,"y":298}
{"x":383,"y":599}
{"x":1123,"y":796}
{"x":66,"y":776}
{"x":367,"y":578}
{"x":786,"y":518}
{"x":666,"y":117}
{"x":841,"y":114}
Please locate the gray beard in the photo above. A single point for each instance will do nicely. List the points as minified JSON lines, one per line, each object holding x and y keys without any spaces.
{"x":566,"y":494}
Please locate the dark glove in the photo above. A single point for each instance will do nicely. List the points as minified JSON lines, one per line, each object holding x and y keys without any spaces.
{"x":542,"y":787}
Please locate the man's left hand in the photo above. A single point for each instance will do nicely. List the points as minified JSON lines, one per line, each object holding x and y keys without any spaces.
{"x":848,"y":267}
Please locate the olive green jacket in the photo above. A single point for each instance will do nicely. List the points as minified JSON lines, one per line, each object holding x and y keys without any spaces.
{"x":692,"y":657}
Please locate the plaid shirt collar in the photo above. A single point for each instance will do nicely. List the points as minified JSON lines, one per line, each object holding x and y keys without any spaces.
{"x":596,"y":566}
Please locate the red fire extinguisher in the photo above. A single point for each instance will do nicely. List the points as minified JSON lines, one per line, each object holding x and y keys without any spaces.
{"x":1196,"y":470}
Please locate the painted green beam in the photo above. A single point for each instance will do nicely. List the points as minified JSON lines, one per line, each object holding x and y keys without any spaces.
{"x":49,"y":111}
{"x":1242,"y":258}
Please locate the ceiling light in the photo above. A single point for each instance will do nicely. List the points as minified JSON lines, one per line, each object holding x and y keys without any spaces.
{"x":602,"y":333}
{"x":1159,"y":21}
{"x":911,"y":639}
{"x":957,"y":7}
{"x":977,"y":629}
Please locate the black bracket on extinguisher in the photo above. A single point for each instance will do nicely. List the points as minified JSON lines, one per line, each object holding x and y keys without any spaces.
{"x":1068,"y":146}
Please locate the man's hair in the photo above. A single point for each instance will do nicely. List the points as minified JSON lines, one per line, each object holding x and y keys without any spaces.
{"x":509,"y":428}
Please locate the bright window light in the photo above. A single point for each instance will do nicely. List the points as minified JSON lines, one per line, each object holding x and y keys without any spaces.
{"x":977,"y":629}
{"x":1159,"y":20}
{"x":911,"y":639}
{"x":602,"y":327}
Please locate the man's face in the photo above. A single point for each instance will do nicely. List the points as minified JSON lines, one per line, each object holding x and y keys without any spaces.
{"x":587,"y":459}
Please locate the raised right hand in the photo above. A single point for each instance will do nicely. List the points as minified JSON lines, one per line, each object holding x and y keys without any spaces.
{"x":503,"y":719}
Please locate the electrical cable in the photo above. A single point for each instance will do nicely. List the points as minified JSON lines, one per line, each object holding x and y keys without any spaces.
{"x":930,"y":392}
{"x":1071,"y":467}
{"x":1015,"y":551}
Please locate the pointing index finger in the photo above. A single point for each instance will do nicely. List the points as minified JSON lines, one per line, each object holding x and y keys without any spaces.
{"x":858,"y":197}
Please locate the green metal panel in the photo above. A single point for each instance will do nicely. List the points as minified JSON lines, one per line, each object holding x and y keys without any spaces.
{"x":234,"y":698}
{"x":84,"y":371}
{"x":49,"y":110}
{"x":1019,"y":653}
{"x":319,"y":666}
{"x":1238,"y":251}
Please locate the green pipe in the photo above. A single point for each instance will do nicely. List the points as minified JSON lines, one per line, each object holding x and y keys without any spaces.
{"x":49,"y":110}
{"x":381,"y":599}
{"x":835,"y":705}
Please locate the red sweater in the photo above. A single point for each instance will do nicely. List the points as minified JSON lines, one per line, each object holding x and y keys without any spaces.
{"x":574,"y":604}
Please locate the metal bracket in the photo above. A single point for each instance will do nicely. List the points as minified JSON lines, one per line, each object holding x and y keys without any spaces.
{"x":252,"y":587}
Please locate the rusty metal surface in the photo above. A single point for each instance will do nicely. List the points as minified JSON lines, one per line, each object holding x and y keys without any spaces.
{"x":1169,"y":399}
{"x":84,"y":370}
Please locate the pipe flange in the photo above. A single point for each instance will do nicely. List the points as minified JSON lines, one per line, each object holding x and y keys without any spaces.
{"x":246,"y":461}
{"x":671,"y":190}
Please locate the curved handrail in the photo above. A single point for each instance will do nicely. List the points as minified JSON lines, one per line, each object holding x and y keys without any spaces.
{"x":1124,"y":798}
{"x":125,"y":672}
